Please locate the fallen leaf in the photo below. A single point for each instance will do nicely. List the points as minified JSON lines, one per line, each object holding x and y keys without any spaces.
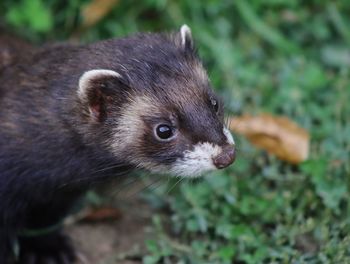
{"x":96,"y":10}
{"x":102,"y":214}
{"x":277,"y":135}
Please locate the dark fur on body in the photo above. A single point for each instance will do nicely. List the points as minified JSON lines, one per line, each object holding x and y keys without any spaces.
{"x":12,"y":49}
{"x":52,"y":148}
{"x":45,"y":164}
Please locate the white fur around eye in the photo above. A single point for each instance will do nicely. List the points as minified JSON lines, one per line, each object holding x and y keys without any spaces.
{"x":197,"y":161}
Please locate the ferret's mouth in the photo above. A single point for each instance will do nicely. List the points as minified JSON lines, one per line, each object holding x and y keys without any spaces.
{"x":203,"y":158}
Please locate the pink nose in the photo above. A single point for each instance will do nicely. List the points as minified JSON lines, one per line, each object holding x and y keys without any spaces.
{"x":226,"y":157}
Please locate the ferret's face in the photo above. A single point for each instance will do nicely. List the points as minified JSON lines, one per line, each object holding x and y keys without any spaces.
{"x":186,"y":138}
{"x":170,"y":123}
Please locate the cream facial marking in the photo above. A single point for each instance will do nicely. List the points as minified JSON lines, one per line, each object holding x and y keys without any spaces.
{"x":197,"y":161}
{"x":229,"y":137}
{"x":130,"y":125}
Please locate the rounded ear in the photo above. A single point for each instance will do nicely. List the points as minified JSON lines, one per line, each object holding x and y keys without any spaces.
{"x":186,"y":38}
{"x":95,"y":88}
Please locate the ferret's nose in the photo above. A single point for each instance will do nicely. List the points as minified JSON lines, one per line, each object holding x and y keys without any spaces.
{"x":226,"y":157}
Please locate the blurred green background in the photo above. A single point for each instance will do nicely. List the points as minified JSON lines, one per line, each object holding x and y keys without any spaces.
{"x":284,"y":57}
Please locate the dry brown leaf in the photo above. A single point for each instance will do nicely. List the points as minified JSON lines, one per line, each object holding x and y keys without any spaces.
{"x":102,"y":214}
{"x":277,"y":135}
{"x":96,"y":10}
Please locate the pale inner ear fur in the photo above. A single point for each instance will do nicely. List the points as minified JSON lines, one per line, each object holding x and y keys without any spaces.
{"x":89,"y":76}
{"x":186,"y":36}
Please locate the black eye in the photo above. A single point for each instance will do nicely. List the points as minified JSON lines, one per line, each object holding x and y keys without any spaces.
{"x":215,"y":104}
{"x":164,"y":132}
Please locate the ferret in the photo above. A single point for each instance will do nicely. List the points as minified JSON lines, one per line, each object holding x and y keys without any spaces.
{"x":72,"y":115}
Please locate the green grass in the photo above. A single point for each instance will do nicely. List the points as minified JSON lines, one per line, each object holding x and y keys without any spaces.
{"x":288,"y":58}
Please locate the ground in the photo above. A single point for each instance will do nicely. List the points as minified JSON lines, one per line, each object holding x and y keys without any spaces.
{"x":118,"y":241}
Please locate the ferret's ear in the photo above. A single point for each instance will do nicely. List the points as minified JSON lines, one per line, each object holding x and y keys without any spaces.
{"x":95,"y":90}
{"x":186,"y":38}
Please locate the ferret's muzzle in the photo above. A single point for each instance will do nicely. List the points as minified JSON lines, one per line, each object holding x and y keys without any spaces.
{"x":226,"y":157}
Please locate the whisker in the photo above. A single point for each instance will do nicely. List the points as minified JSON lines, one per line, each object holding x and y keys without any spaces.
{"x":176,"y":183}
{"x":92,"y":178}
{"x":156,"y":185}
{"x":228,"y":119}
{"x":124,"y":185}
{"x":144,"y":187}
{"x":109,"y":168}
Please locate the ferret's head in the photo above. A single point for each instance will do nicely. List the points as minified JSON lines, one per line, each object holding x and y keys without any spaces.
{"x":155,"y":106}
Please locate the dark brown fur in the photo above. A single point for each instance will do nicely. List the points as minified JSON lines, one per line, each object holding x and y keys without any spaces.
{"x":12,"y":49}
